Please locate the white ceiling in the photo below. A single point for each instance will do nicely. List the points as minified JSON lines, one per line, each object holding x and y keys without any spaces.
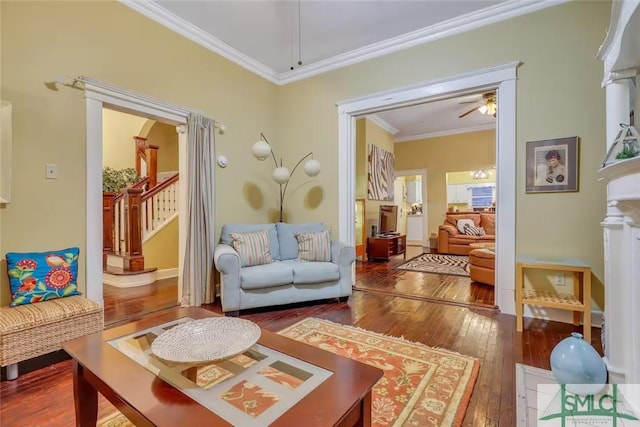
{"x":262,"y":36}
{"x":435,"y":119}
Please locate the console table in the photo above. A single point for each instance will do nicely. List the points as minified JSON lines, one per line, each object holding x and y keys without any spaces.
{"x":579,"y":301}
{"x":384,"y":247}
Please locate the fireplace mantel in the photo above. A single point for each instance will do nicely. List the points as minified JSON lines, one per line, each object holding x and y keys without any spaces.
{"x":620,"y":53}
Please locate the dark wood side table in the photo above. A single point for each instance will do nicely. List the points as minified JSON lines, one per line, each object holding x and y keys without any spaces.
{"x":384,"y":247}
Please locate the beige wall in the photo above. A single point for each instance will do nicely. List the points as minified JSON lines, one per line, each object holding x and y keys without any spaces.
{"x":118,"y":145}
{"x":558,"y":90}
{"x":558,"y":94}
{"x":161,"y":250}
{"x":42,"y":40}
{"x":460,"y":152}
{"x":166,"y":138}
{"x":375,"y":135}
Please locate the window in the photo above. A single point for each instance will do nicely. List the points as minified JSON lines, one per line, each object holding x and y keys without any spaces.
{"x":481,"y":197}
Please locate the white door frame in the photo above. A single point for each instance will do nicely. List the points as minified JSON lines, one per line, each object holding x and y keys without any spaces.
{"x":423,"y":174}
{"x":502,"y":78}
{"x":98,"y":95}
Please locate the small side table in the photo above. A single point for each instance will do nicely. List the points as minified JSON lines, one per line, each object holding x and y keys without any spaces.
{"x":578,"y":302}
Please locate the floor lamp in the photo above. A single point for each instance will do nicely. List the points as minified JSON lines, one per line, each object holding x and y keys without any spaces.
{"x":261,"y":150}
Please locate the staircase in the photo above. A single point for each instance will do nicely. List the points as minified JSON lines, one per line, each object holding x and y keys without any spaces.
{"x":135,"y":215}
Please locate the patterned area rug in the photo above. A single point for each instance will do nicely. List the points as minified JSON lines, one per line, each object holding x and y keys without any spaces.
{"x":421,"y":385}
{"x":456,"y":265}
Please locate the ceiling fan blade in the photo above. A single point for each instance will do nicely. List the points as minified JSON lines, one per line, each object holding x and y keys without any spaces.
{"x":470,"y":102}
{"x":467,"y":113}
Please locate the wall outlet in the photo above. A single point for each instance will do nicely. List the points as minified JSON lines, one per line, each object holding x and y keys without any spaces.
{"x":51,"y":171}
{"x":559,"y":279}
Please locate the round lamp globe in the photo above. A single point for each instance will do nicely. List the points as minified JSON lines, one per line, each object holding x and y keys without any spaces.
{"x":281,"y":175}
{"x":261,"y":150}
{"x":312,"y":167}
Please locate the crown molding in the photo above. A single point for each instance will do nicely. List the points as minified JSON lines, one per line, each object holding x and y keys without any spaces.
{"x":383,"y":124}
{"x":444,"y":133}
{"x":500,"y":12}
{"x":183,"y":27}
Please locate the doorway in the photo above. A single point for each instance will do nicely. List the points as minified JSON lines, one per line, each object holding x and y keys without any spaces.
{"x":99,"y":95}
{"x":140,"y":154}
{"x":502,"y":79}
{"x":413,"y":199}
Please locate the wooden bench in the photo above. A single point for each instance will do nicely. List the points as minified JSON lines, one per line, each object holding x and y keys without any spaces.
{"x":31,"y":330}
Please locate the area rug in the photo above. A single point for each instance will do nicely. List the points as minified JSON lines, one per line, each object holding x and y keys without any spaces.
{"x":456,"y":265}
{"x":421,"y":386}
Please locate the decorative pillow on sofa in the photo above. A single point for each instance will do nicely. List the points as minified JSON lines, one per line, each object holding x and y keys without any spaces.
{"x":314,"y":246}
{"x":471,"y":230}
{"x":461,"y":223}
{"x":41,"y":276}
{"x":287,"y":236}
{"x":253,"y":247}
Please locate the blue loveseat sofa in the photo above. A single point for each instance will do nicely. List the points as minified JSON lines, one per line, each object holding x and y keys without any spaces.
{"x":285,"y":280}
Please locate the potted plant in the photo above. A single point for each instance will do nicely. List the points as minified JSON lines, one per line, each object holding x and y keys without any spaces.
{"x":114,"y":180}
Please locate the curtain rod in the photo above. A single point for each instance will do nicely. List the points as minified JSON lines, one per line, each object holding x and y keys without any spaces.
{"x":75,"y":81}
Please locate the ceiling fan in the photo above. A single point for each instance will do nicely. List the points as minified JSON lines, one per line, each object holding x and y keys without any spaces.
{"x":488,"y":106}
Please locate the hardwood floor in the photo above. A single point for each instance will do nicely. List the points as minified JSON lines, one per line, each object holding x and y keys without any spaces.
{"x":381,"y":277}
{"x":121,"y":304}
{"x":45,"y":396}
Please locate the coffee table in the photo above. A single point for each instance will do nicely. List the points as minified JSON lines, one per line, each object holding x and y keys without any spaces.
{"x":338,"y":392}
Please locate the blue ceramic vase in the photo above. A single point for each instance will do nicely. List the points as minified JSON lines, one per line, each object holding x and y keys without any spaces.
{"x":575,"y":363}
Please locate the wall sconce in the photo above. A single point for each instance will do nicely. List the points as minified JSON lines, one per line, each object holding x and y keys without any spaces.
{"x":262,"y":149}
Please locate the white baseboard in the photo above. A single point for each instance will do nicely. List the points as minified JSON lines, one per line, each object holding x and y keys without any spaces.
{"x":129,"y":281}
{"x":167,"y":273}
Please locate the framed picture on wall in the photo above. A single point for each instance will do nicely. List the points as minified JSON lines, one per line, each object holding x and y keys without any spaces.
{"x":552,"y":165}
{"x":381,"y":174}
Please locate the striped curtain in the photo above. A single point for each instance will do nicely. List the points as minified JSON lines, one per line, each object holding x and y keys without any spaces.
{"x":197,"y":274}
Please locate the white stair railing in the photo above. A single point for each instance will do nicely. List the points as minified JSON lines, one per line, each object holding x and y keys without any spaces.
{"x":159,"y":208}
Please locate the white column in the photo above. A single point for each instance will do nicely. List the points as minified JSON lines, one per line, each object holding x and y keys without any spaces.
{"x":93,"y":244}
{"x":618,"y":98}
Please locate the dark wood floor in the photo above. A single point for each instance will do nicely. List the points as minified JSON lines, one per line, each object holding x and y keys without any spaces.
{"x":121,"y":304}
{"x":381,"y":277}
{"x":45,"y":397}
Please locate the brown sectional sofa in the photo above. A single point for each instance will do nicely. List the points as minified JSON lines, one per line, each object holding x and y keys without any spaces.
{"x":451,"y":241}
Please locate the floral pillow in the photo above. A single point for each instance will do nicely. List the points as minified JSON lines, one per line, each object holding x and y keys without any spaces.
{"x":41,"y":276}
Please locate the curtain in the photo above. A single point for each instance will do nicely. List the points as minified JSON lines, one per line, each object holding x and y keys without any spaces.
{"x":197,"y":274}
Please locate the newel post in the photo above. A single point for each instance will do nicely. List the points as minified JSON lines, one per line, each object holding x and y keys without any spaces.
{"x":108,"y":219}
{"x":108,"y":222}
{"x":152,"y":165}
{"x":133,"y":228}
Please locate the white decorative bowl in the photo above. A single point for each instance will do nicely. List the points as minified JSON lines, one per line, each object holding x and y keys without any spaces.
{"x":205,"y":340}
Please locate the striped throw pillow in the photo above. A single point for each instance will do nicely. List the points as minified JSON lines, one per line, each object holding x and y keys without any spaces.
{"x":252,"y":247}
{"x":471,"y":230}
{"x":314,"y":246}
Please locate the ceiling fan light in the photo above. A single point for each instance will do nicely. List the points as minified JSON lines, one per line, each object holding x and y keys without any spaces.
{"x":483,"y":109}
{"x":491,"y":108}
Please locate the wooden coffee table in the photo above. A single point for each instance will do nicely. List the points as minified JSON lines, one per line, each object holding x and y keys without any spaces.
{"x":342,"y":399}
